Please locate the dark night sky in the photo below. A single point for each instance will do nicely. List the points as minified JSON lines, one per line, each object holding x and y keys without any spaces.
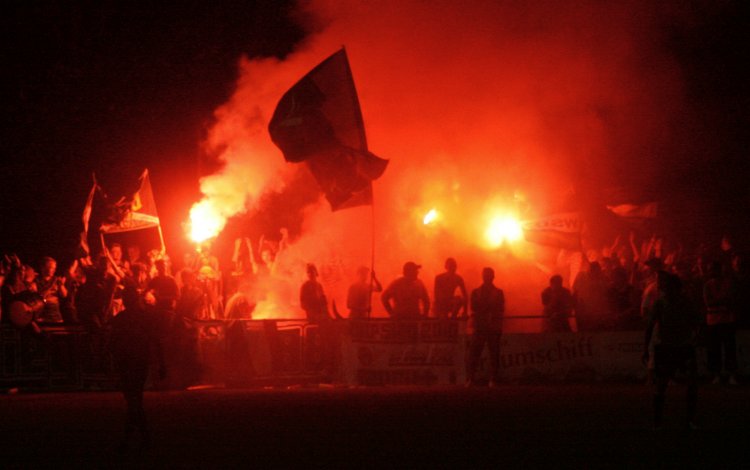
{"x":112,"y":87}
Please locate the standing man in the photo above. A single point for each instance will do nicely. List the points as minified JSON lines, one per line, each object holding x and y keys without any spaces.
{"x":447,"y":303}
{"x":52,"y":289}
{"x":486,"y":323}
{"x":718,"y":296}
{"x":313,"y":299}
{"x":95,"y":295}
{"x":359,"y":296}
{"x":314,"y":303}
{"x":134,"y":339}
{"x":558,"y":305}
{"x":406,"y":298}
{"x":674,"y":350}
{"x":590,"y":298}
{"x":651,"y":268}
{"x":165,"y":292}
{"x":164,"y":288}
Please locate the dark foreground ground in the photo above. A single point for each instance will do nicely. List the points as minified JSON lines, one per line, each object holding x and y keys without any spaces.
{"x":544,"y":426}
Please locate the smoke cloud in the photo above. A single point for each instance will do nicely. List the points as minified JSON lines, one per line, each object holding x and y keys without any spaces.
{"x":483,"y":108}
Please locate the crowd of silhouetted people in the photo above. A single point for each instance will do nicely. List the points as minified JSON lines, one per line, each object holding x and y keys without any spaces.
{"x":611,"y":290}
{"x":614,"y":288}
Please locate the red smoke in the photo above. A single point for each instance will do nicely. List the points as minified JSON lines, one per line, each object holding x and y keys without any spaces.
{"x":481,"y":107}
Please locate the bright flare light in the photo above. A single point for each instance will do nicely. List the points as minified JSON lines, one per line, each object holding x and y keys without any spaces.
{"x":205,"y":221}
{"x":430,"y":217}
{"x":501,"y":229}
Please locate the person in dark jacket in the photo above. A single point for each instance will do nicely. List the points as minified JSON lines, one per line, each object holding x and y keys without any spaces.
{"x":134,"y":341}
{"x":558,"y":306}
{"x":486,"y":323}
{"x":678,"y":321}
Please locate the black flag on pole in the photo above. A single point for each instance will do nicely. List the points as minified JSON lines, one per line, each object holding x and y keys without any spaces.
{"x":319,"y":121}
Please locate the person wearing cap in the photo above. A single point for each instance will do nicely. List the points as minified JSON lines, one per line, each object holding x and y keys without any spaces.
{"x":406,"y":298}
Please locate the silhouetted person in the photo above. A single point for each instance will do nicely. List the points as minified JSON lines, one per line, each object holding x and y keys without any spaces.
{"x":164,"y":288}
{"x":359,"y":296}
{"x":741,"y":301}
{"x":650,"y":294}
{"x":21,"y":304}
{"x":590,"y":298}
{"x":447,"y":303}
{"x":721,"y":323}
{"x":558,"y":305}
{"x":650,"y":290}
{"x":135,"y":339}
{"x":270,"y":253}
{"x":486,"y":322}
{"x":73,"y":281}
{"x":185,"y":333}
{"x":95,"y":295}
{"x":244,"y":266}
{"x":209,"y":276}
{"x":678,"y":321}
{"x":624,"y":302}
{"x":191,"y":299}
{"x":314,"y":303}
{"x":134,"y":255}
{"x":163,"y":292}
{"x":52,"y":289}
{"x":312,"y":298}
{"x":406,"y":298}
{"x":12,"y":285}
{"x":726,"y":252}
{"x":119,"y":265}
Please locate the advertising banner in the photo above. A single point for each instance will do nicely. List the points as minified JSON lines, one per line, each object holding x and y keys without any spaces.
{"x":385,"y":352}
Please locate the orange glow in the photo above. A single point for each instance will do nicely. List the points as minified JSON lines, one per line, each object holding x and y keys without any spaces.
{"x":503,"y":136}
{"x":205,"y":221}
{"x":430,"y":217}
{"x":503,"y":229}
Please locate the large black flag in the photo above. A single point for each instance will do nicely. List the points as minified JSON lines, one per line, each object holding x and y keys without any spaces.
{"x":319,"y":121}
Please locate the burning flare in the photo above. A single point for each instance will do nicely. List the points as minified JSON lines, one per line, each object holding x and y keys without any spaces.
{"x":503,"y":228}
{"x":430,"y":217}
{"x":206,"y":221}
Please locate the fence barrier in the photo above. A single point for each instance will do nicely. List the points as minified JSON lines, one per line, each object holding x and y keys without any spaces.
{"x":239,"y":353}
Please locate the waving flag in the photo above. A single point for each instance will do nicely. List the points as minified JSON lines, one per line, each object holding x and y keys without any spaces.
{"x":86,"y":215}
{"x":134,"y":213}
{"x":319,"y":121}
{"x":83,"y":246}
{"x":648,"y":210}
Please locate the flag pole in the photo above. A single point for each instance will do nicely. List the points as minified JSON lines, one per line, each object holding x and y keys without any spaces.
{"x":143,"y":176}
{"x":372,"y":251}
{"x":118,"y":272}
{"x":161,"y":239}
